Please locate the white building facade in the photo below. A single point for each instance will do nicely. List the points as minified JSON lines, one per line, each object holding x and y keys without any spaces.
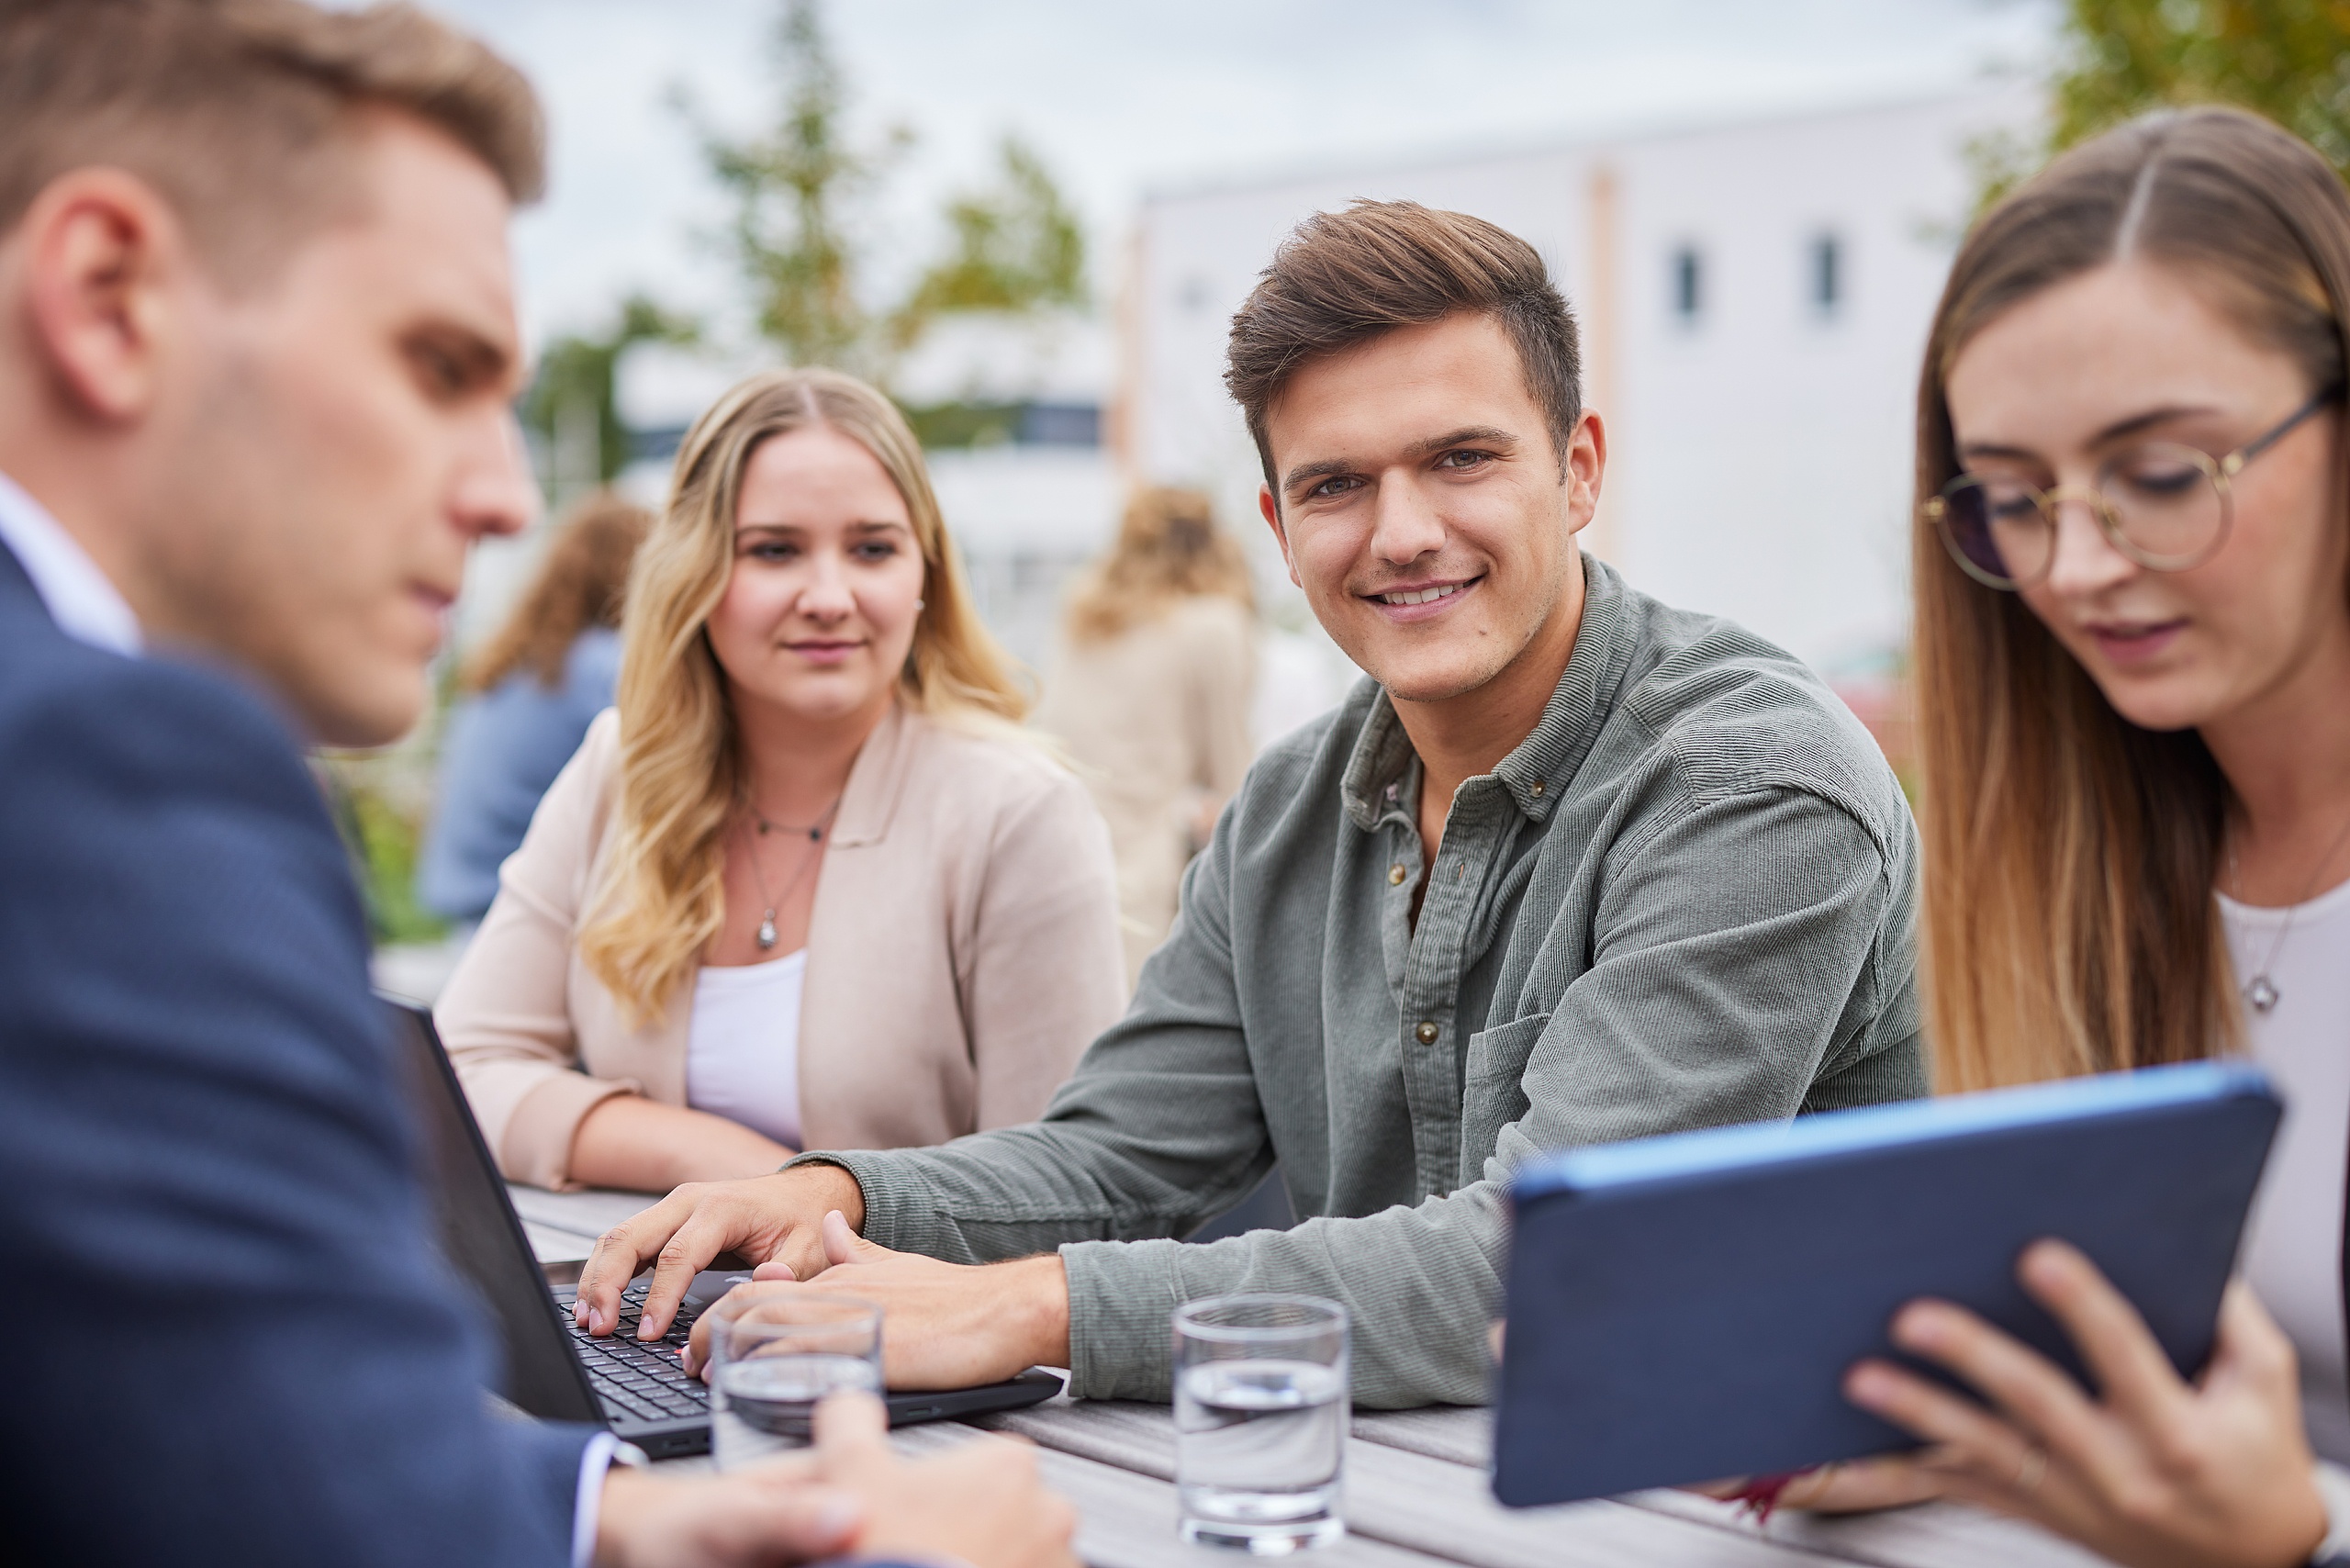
{"x":1753,"y":302}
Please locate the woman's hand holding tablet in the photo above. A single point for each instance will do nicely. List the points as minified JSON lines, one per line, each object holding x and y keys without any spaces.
{"x":2157,"y":1471}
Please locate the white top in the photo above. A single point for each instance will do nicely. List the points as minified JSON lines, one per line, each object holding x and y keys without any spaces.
{"x":2293,"y":1247}
{"x":84,"y":604}
{"x":742,"y":1045}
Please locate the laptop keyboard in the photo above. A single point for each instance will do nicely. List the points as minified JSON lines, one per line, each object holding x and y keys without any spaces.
{"x":638,"y":1379}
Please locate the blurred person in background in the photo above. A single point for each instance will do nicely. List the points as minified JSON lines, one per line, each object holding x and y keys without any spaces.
{"x":258,"y":352}
{"x":2133,"y":660}
{"x":1150,"y":694}
{"x":809,"y":882}
{"x":531,"y":692}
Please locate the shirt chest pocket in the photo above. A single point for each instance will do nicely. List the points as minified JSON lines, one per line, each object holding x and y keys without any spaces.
{"x":1492,"y":1091}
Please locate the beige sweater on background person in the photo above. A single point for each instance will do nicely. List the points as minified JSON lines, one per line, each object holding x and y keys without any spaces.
{"x":1157,"y":720}
{"x":962,"y":953}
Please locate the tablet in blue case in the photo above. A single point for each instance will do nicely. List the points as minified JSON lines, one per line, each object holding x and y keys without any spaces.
{"x":1684,"y":1309}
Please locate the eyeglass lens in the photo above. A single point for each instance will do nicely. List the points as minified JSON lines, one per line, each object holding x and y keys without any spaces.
{"x":2162,"y":504}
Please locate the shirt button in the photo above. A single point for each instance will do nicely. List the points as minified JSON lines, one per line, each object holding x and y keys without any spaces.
{"x":1395,"y":875}
{"x":1537,"y":786}
{"x":1426,"y":1034}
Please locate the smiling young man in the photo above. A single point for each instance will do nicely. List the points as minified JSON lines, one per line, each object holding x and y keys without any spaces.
{"x":257,"y":351}
{"x":1568,"y":866}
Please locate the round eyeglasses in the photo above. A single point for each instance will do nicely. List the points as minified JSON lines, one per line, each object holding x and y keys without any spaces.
{"x":2167,"y":506}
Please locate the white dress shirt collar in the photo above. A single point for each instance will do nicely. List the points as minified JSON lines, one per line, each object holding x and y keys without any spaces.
{"x":84,"y":604}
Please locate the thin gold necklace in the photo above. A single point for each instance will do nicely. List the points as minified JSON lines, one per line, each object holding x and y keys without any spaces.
{"x":2260,"y":992}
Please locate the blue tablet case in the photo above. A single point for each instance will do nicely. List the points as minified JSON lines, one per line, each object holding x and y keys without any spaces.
{"x":1684,"y":1309}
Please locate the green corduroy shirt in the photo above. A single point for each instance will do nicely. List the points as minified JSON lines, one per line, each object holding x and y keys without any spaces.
{"x":1686,"y":899}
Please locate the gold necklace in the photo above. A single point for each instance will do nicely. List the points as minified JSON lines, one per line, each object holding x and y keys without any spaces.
{"x":2260,"y":992}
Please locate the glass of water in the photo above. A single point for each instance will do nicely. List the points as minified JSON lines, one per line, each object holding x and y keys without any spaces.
{"x":1261,"y":1413}
{"x":774,"y":1357}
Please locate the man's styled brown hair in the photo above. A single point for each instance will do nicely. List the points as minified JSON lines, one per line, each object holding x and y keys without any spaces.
{"x":241,"y":112}
{"x":1342,"y":279}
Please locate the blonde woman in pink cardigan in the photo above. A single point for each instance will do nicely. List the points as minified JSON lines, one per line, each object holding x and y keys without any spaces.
{"x":807,"y":885}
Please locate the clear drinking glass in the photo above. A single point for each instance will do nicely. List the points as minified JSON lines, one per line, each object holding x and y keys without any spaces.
{"x":1261,"y":1414}
{"x":772,"y":1358}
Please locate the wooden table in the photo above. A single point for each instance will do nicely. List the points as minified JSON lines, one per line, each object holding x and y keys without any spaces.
{"x":1416,"y":1491}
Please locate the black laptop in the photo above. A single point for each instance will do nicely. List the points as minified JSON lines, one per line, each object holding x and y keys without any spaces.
{"x":554,"y":1369}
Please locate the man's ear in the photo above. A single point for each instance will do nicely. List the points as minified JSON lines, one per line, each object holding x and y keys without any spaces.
{"x":98,"y":247}
{"x":1272,"y":513}
{"x":1585,"y":467}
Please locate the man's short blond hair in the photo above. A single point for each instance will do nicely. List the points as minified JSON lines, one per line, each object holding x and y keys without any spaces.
{"x":243,"y":113}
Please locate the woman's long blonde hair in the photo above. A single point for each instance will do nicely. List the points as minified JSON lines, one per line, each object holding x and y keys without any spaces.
{"x":579,"y":584}
{"x":2069,"y":926}
{"x":1168,"y":547}
{"x":662,"y":898}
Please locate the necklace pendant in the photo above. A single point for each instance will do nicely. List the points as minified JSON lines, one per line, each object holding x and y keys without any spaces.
{"x":766,"y":934}
{"x":2263,"y":994}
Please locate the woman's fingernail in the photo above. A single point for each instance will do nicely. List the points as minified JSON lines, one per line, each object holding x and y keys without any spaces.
{"x":1919,"y":1327}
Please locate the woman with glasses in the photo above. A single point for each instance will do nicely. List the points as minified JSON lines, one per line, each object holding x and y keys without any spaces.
{"x":2133,"y":665}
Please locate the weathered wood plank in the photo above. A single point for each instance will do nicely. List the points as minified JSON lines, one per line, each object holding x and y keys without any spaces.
{"x":1423,"y":1504}
{"x":1937,"y":1536}
{"x":1125,"y":1519}
{"x":587,"y":1214}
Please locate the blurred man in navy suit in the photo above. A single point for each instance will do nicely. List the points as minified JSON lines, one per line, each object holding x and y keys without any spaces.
{"x":257,"y":344}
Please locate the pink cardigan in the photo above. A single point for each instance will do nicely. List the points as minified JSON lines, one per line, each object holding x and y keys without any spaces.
{"x":962,"y":953}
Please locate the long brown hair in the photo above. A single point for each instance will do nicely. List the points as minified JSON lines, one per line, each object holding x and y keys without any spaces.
{"x":661,"y":894}
{"x":2069,"y":924}
{"x":1168,"y":547}
{"x":580,"y":584}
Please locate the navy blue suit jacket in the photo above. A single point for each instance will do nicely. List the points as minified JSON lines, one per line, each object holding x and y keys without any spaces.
{"x":235,"y":1340}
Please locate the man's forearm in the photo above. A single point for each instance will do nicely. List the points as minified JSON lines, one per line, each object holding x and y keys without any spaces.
{"x":1037,"y":1294}
{"x":1013,"y":1193}
{"x":1424,"y":1283}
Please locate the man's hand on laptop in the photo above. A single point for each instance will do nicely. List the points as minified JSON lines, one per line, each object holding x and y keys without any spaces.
{"x":944,"y":1324}
{"x":775,"y":1219}
{"x":982,"y":1504}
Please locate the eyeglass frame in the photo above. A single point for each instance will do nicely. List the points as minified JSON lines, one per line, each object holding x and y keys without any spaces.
{"x":2219,"y":470}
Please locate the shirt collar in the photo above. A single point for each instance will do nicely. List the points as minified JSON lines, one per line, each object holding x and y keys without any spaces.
{"x":1538,"y":767}
{"x":86,"y":606}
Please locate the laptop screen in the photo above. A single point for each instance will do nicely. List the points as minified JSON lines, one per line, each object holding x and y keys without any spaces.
{"x":481,"y":1236}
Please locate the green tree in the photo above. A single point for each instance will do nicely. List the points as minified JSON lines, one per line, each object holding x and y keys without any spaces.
{"x":1015,"y":248}
{"x":796,"y":191}
{"x":802,"y":197}
{"x":2287,"y":59}
{"x":572,"y":399}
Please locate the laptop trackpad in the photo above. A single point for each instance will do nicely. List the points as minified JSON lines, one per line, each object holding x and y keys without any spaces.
{"x":712,"y":1283}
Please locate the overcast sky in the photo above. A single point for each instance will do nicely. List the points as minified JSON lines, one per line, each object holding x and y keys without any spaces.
{"x":1125,"y":96}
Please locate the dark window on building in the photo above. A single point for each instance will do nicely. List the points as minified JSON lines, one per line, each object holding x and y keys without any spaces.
{"x":1827,"y":273}
{"x":1059,"y":424}
{"x":1688,"y":283}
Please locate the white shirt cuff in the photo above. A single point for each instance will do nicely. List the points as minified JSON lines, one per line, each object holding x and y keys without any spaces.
{"x":2334,"y":1486}
{"x":603,"y":1450}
